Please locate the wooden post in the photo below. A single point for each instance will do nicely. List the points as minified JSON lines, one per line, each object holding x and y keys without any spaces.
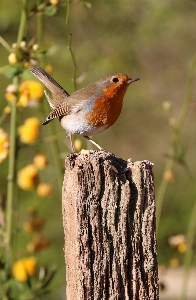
{"x":109,"y":225}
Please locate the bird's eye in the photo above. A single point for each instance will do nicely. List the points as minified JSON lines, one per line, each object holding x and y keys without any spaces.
{"x":115,"y":79}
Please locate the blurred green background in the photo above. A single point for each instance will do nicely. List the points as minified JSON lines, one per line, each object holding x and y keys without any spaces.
{"x":153,"y":40}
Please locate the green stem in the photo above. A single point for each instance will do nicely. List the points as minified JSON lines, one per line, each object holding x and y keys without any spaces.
{"x":73,"y":79}
{"x":22,"y":33}
{"x":55,"y":146}
{"x":175,"y":140}
{"x":163,"y":188}
{"x":40,"y":33}
{"x":5,"y":45}
{"x":11,"y":166}
{"x":11,"y":179}
{"x":187,"y":99}
{"x":189,"y":253}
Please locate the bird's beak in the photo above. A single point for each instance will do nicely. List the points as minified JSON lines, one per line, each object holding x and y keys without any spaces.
{"x":132,"y":80}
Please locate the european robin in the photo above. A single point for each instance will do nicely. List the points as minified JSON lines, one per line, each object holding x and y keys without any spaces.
{"x":89,"y":110}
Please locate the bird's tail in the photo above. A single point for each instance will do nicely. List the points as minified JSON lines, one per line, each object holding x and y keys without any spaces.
{"x":47,"y":80}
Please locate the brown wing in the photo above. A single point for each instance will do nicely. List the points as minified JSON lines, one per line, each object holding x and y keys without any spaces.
{"x":61,"y":110}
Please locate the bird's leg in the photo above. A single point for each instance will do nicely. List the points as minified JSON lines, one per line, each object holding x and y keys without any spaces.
{"x":89,"y":139}
{"x":72,"y":145}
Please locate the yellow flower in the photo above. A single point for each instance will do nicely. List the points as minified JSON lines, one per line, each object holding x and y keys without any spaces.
{"x":26,"y":64}
{"x":40,"y":160}
{"x":9,"y":96}
{"x":23,"y":268}
{"x":4,"y":145}
{"x":78,"y":144}
{"x":174,"y":262}
{"x":35,"y":47}
{"x":7,"y":110}
{"x":14,"y":45}
{"x":48,"y":68}
{"x":23,"y":44}
{"x":34,"y":224}
{"x":30,"y":90}
{"x":175,"y":240}
{"x":10,"y":92}
{"x":12,"y":58}
{"x":166,"y":105}
{"x":54,"y":2}
{"x":23,"y":101}
{"x":29,"y":131}
{"x":31,"y":211}
{"x":39,"y":242}
{"x":182,"y":247}
{"x":44,"y":189}
{"x":27,"y":177}
{"x":169,"y":176}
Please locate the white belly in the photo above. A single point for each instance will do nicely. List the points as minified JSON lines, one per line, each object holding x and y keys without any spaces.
{"x":78,"y":125}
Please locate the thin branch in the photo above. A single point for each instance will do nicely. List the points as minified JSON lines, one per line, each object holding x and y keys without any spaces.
{"x":22,"y":33}
{"x":190,"y":252}
{"x":11,"y":178}
{"x":11,"y":166}
{"x":73,"y":79}
{"x":55,"y":146}
{"x":5,"y":44}
{"x":175,"y":141}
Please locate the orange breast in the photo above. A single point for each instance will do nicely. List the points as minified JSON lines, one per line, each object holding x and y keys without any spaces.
{"x":108,"y":108}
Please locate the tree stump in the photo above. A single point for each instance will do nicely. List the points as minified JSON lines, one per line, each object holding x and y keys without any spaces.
{"x":109,"y":225}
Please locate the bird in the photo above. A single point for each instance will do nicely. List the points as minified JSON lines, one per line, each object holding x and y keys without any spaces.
{"x":89,"y":110}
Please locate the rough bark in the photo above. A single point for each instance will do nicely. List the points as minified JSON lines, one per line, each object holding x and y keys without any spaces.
{"x":109,"y":226}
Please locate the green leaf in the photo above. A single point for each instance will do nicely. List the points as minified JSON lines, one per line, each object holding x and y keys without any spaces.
{"x":11,"y":71}
{"x":5,"y":68}
{"x":49,"y":277}
{"x":42,"y":49}
{"x":12,"y":283}
{"x":50,"y":10}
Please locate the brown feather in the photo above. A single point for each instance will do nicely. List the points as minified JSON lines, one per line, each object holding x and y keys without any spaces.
{"x":61,"y":110}
{"x":48,"y":81}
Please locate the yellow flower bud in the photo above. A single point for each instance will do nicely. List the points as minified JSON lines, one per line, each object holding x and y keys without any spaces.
{"x":10,"y":96}
{"x":54,"y":2}
{"x":48,"y":68}
{"x":182,"y":247}
{"x":78,"y":144}
{"x":44,"y":190}
{"x":23,"y":44}
{"x":4,"y":145}
{"x":11,"y":88}
{"x":40,"y":160}
{"x":169,"y":176}
{"x":7,"y":110}
{"x":176,"y":240}
{"x":35,"y":224}
{"x":12,"y":58}
{"x":23,"y":101}
{"x":26,"y":64}
{"x":27,"y":177}
{"x":39,"y":242}
{"x":174,"y":262}
{"x":166,"y":105}
{"x":35,"y":47}
{"x":14,"y":45}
